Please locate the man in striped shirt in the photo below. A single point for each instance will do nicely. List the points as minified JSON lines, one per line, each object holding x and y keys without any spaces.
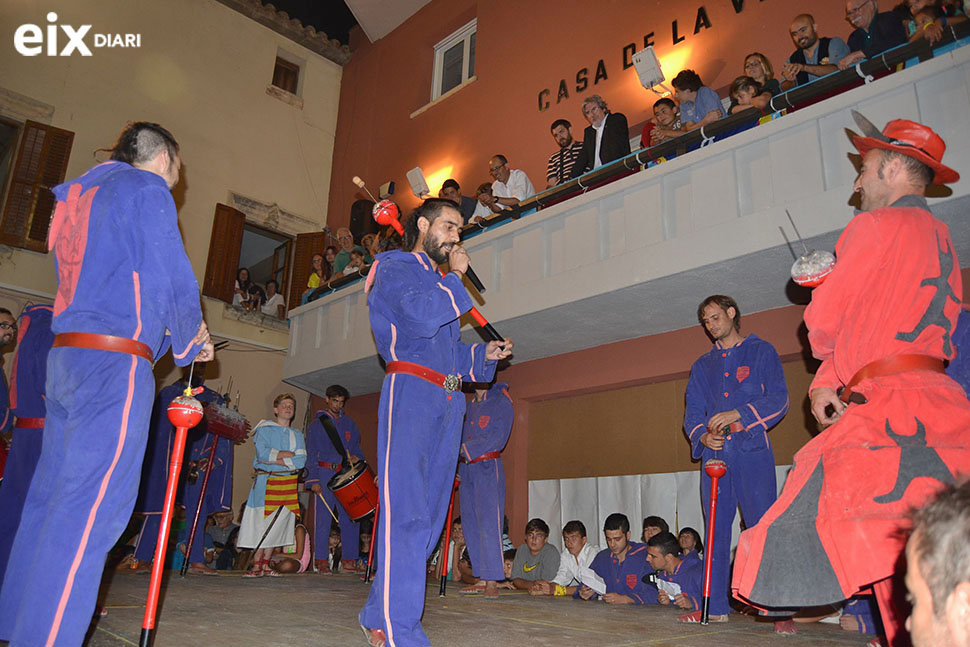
{"x":561,"y":162}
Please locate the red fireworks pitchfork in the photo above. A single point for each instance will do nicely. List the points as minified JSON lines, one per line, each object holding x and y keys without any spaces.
{"x":715,"y":468}
{"x":184,"y":413}
{"x":443,"y":557}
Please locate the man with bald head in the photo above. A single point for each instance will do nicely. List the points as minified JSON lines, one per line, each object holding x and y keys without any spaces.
{"x":814,"y":57}
{"x":874,"y":32}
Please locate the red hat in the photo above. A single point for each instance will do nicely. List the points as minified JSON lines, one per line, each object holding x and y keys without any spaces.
{"x":908,"y":138}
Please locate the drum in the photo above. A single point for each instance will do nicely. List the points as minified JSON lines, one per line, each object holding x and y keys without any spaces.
{"x":226,"y":422}
{"x":355,"y":489}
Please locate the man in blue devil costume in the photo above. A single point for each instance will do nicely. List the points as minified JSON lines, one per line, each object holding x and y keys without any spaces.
{"x":34,"y":339}
{"x":123,"y":280}
{"x":414,"y":315}
{"x":488,"y":423}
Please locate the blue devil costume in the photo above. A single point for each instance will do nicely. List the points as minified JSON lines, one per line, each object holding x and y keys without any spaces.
{"x":749,"y":378}
{"x":121,"y":271}
{"x":27,"y":403}
{"x":323,"y":461}
{"x":414,"y":317}
{"x":487,"y":427}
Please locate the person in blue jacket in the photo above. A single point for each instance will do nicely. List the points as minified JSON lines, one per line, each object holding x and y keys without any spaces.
{"x":735,"y":394}
{"x":126,"y":293}
{"x":323,"y":461}
{"x":663,"y":553}
{"x":34,"y":339}
{"x":414,"y":314}
{"x":622,"y":566}
{"x":488,"y":423}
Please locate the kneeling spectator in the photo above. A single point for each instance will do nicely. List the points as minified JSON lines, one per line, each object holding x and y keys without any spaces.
{"x":681,"y":581}
{"x":622,"y":567}
{"x":222,"y":533}
{"x":690,"y":544}
{"x":653,"y":525}
{"x":576,"y":557}
{"x":535,"y":559}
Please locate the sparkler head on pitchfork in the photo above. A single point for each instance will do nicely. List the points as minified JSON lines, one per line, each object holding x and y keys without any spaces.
{"x":715,"y":468}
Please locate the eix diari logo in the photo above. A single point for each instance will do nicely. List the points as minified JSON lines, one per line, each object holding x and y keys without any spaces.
{"x":31,"y":40}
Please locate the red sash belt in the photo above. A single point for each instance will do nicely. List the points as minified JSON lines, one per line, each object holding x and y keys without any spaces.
{"x":103,"y":342}
{"x":29,"y":423}
{"x":487,"y":456}
{"x":450,"y":383}
{"x":889,"y":366}
{"x":330,"y":466}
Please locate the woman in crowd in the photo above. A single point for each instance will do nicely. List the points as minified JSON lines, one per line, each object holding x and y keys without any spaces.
{"x":690,"y":543}
{"x":274,"y":305}
{"x":272,"y":506}
{"x":240,"y":295}
{"x":320,"y":272}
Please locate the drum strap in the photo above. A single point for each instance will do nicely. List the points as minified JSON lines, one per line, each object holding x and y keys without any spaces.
{"x":334,"y":435}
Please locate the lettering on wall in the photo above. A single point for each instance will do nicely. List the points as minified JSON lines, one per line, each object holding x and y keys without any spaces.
{"x":678,"y":34}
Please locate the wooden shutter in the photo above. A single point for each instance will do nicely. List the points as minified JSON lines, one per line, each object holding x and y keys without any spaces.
{"x":40,"y":166}
{"x":224,"y":247}
{"x":306,"y":246}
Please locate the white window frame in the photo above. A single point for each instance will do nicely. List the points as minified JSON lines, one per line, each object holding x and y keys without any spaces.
{"x":463,"y":34}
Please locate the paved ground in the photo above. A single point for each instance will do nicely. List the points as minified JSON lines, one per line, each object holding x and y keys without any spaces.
{"x":310,"y":610}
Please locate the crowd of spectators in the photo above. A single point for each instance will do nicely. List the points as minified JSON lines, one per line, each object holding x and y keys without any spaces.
{"x":695,"y":105}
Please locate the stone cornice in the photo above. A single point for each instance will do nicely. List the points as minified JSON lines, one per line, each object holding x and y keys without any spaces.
{"x":268,"y":16}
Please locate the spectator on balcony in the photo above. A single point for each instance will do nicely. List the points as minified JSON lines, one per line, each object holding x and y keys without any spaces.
{"x":758,"y":67}
{"x":274,"y":306}
{"x":483,"y":196}
{"x":607,"y":137}
{"x":320,"y":272}
{"x":346,"y":241}
{"x":240,"y":292}
{"x":330,"y":254}
{"x":367,"y":242}
{"x":816,"y":56}
{"x":257,"y":296}
{"x":874,"y":32}
{"x":747,"y":93}
{"x":356,"y":262}
{"x":699,"y":105}
{"x":667,"y":124}
{"x":511,"y":186}
{"x":929,"y":19}
{"x":561,"y":162}
{"x":451,"y":190}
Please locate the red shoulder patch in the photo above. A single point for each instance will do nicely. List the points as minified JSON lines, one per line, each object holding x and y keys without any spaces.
{"x":347,"y":436}
{"x":743,"y":372}
{"x":483,"y":421}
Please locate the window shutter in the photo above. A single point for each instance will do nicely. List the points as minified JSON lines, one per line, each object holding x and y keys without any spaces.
{"x":40,"y":166}
{"x":306,"y":246}
{"x":224,"y":248}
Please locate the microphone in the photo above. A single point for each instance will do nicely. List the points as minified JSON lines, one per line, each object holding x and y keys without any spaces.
{"x":470,"y":273}
{"x":360,"y":183}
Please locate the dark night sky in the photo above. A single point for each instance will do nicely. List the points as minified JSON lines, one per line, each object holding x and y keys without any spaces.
{"x":329,"y":16}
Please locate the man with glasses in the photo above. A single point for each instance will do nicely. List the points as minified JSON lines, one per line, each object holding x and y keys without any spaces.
{"x":875,"y":32}
{"x":815,"y":57}
{"x":346,"y":241}
{"x":607,"y":137}
{"x":511,"y":186}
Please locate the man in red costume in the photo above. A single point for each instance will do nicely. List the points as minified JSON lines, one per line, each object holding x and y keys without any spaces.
{"x":881,"y":323}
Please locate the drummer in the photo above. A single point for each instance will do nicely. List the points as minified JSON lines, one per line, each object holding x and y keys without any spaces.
{"x":323,"y":461}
